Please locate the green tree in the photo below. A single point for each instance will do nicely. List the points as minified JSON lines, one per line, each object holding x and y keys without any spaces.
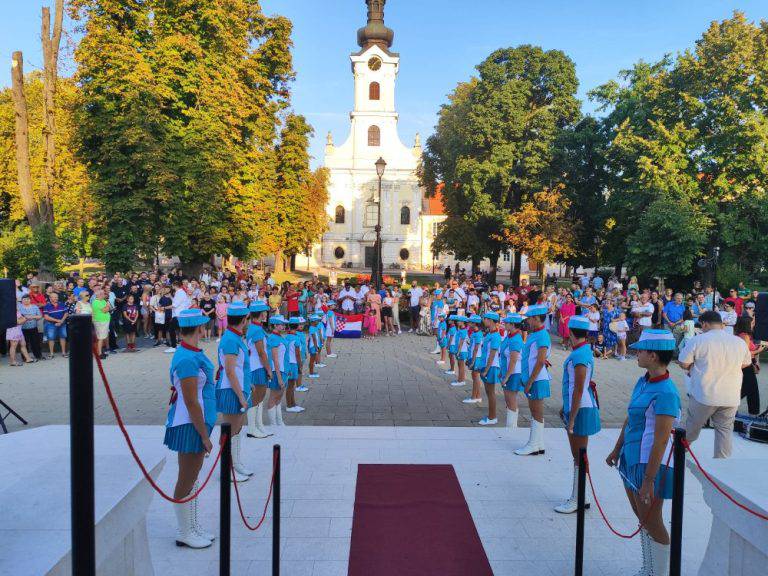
{"x":495,"y":143}
{"x":179,"y":122}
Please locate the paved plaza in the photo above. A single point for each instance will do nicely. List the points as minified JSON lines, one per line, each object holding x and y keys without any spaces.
{"x":389,"y":381}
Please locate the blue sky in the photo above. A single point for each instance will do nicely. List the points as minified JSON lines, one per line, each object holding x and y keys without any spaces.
{"x":441,"y":41}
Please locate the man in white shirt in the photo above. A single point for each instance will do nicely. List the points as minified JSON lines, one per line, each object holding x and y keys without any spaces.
{"x":714,"y":360}
{"x":347,"y":297}
{"x":181,"y":301}
{"x":642,"y":313}
{"x":415,"y":295}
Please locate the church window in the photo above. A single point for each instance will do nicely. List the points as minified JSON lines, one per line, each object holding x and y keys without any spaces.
{"x":507,"y":256}
{"x":340,"y":215}
{"x":339,"y":253}
{"x":374,"y":91}
{"x":405,"y":216}
{"x":371,"y":215}
{"x":374,"y":136}
{"x":404,"y":254}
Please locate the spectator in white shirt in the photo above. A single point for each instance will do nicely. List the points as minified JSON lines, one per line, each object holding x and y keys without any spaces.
{"x":347,"y":297}
{"x":728,"y":316}
{"x":415,"y":295}
{"x":715,"y":360}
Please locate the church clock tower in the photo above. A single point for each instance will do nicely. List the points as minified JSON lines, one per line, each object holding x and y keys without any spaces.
{"x":353,"y":182}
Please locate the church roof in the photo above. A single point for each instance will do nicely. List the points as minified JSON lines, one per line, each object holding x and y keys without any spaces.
{"x":434,"y":204}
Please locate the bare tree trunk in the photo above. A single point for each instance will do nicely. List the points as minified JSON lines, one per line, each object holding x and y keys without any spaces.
{"x":50,"y":63}
{"x":22,"y":141}
{"x":517,"y":264}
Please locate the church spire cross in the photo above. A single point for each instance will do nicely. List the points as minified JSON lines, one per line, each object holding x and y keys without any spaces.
{"x":375,"y":33}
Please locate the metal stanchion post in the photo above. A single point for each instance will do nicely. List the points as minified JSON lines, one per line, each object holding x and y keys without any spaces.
{"x":225,"y":499}
{"x":581,"y":503}
{"x":676,"y":533}
{"x":276,"y":513}
{"x":81,"y":446}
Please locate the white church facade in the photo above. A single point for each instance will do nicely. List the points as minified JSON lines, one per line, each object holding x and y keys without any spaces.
{"x":409,"y":221}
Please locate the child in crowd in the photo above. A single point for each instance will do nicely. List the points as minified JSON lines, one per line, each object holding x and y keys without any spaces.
{"x":593,"y":315}
{"x":600,"y":349}
{"x":369,"y":322}
{"x":130,"y":322}
{"x":221,"y":315}
{"x":689,"y":328}
{"x":622,"y":328}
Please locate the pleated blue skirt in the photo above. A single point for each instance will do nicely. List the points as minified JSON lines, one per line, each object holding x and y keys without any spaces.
{"x":493,"y":376}
{"x":587,"y":422}
{"x":227,"y":402}
{"x":632,"y":477}
{"x":515,"y":383}
{"x":539,"y":390}
{"x":185,"y":439}
{"x":259,"y":377}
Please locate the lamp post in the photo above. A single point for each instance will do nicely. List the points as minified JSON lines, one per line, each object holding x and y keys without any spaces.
{"x":376,"y":277}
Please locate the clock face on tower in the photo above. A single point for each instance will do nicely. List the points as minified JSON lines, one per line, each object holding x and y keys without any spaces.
{"x":374,"y":63}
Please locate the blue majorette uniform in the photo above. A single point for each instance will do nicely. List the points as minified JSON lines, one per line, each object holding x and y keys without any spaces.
{"x":254,"y":335}
{"x":435,"y":308}
{"x":292,"y":355}
{"x":513,"y":342}
{"x":536,"y":339}
{"x":442,"y":331}
{"x":190,"y":362}
{"x":277,"y":341}
{"x":475,"y":341}
{"x":321,"y":328}
{"x":314,"y":335}
{"x":330,"y":321}
{"x":651,"y":397}
{"x":462,"y":340}
{"x":232,"y":343}
{"x":453,"y":336}
{"x":491,"y":341}
{"x":587,"y":420}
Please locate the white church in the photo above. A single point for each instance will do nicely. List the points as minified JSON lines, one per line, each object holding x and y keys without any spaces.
{"x":409,"y":220}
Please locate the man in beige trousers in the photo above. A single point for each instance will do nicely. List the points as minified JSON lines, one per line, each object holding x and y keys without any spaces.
{"x":714,"y":361}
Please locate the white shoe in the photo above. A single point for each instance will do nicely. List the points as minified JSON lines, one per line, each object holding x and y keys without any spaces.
{"x":488,"y":421}
{"x":332,"y":356}
{"x":436,"y":350}
{"x":320,"y":365}
{"x":450,"y":372}
{"x":472,"y":400}
{"x":511,"y":419}
{"x":535,"y":445}
{"x":439,"y":362}
{"x":185,"y":534}
{"x":313,"y":376}
{"x":196,"y":517}
{"x":169,"y":350}
{"x":279,"y":414}
{"x":256,"y":422}
{"x":410,"y":331}
{"x":236,"y":462}
{"x":295,"y":409}
{"x":458,"y":383}
{"x":645,"y":546}
{"x":302,"y":389}
{"x":659,"y":558}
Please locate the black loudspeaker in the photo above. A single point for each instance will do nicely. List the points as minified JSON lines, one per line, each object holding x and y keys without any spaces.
{"x":761,"y":318}
{"x":7,"y":304}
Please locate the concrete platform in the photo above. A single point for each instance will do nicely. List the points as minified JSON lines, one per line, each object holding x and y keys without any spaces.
{"x":510,"y":498}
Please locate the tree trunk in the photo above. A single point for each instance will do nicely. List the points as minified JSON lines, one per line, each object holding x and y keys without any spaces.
{"x":22,"y":141}
{"x":617,"y":269}
{"x":494,"y":267}
{"x":476,"y":264}
{"x":279,"y":264}
{"x":50,"y":77}
{"x":516,"y":268}
{"x":293,"y":263}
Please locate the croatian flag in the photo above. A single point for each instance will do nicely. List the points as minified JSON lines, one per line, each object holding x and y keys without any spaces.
{"x":349,"y":326}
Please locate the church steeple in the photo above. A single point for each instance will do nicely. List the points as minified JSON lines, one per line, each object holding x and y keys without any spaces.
{"x":375,"y":33}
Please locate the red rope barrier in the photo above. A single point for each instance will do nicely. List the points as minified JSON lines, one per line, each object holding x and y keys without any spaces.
{"x":133,"y":450}
{"x":266,"y":504}
{"x":655,"y":503}
{"x":718,"y":487}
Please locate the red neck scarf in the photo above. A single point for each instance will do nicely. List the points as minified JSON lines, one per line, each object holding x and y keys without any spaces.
{"x":655,"y":379}
{"x":190,"y":347}
{"x":235,"y":331}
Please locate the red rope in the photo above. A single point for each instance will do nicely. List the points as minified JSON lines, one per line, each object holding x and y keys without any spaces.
{"x":133,"y":450}
{"x":266,"y":504}
{"x":655,"y":503}
{"x":719,"y":488}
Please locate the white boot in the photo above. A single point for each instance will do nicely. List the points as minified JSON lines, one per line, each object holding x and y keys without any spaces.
{"x":659,"y":558}
{"x":236,"y":461}
{"x":196,"y":517}
{"x":255,"y":422}
{"x":436,"y":350}
{"x":645,"y":545}
{"x":279,"y":414}
{"x":572,"y":504}
{"x":512,"y":419}
{"x":185,"y":533}
{"x":535,"y":445}
{"x":272,"y":418}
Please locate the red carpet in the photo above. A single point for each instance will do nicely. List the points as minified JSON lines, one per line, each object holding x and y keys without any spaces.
{"x":413,"y":520}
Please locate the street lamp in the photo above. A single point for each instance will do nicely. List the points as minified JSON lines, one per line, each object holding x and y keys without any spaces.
{"x":376,"y":276}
